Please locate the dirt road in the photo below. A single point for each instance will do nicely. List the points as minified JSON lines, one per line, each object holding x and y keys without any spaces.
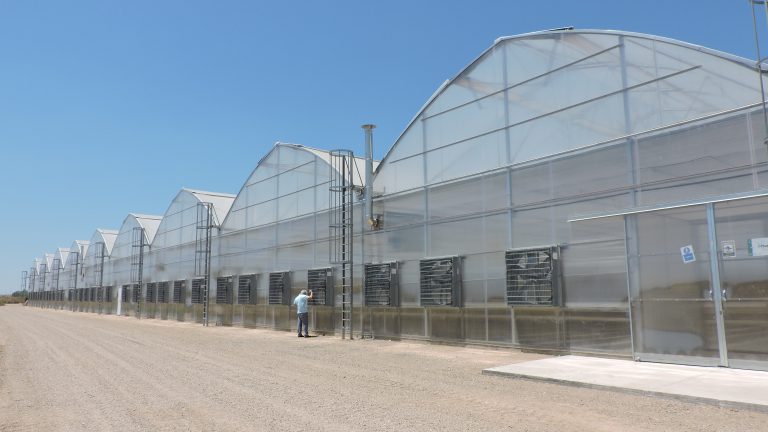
{"x":64,"y":371}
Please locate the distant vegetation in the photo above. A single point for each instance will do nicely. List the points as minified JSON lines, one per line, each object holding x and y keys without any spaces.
{"x":16,"y":297}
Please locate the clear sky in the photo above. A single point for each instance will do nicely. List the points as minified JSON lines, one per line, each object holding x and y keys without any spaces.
{"x":110,"y":107}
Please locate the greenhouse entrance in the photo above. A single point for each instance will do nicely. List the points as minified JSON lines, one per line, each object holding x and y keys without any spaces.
{"x":698,"y":278}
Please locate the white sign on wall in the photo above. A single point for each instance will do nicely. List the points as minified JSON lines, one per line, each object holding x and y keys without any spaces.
{"x":758,"y":246}
{"x":687,"y":253}
{"x":728,"y":248}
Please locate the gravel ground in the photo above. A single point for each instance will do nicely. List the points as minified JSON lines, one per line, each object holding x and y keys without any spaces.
{"x":64,"y":371}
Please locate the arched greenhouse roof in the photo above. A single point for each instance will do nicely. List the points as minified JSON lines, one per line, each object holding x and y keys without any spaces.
{"x":79,"y":246}
{"x":62,"y":254}
{"x":123,"y":244}
{"x":290,"y":181}
{"x":104,"y":236}
{"x":536,"y":95}
{"x":179,"y":223}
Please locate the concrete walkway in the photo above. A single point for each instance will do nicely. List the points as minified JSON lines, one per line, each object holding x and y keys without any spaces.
{"x":717,"y":386}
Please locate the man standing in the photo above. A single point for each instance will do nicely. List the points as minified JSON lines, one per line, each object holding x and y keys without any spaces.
{"x":302,"y":308}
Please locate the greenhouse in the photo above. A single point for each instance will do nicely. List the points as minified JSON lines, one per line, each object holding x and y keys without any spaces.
{"x":575,"y":191}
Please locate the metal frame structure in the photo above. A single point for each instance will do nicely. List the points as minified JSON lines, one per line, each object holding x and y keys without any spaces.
{"x":137,"y":265}
{"x":203,"y":244}
{"x":342,"y":190}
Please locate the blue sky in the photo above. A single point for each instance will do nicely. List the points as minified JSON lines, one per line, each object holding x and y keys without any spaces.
{"x":110,"y":107}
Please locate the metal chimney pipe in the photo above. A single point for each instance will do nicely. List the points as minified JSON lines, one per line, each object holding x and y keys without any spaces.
{"x":368,"y":191}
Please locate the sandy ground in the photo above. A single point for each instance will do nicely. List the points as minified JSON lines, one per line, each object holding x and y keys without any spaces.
{"x":64,"y":371}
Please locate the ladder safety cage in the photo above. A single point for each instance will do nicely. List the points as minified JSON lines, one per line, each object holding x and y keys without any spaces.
{"x":162,"y":292}
{"x":203,"y":239}
{"x":24,"y":280}
{"x":43,"y":271}
{"x":381,"y":284}
{"x":533,"y":276}
{"x":440,"y":281}
{"x":75,"y":263}
{"x":179,"y":290}
{"x":279,"y":288}
{"x":55,"y":274}
{"x":342,"y":190}
{"x":224,"y":290}
{"x":137,"y":265}
{"x":246,"y":289}
{"x":320,"y":282}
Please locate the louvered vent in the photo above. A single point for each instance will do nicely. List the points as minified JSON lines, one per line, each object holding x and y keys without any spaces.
{"x":532,"y":276}
{"x":136,"y":293}
{"x":126,"y":293}
{"x":108,"y":294}
{"x":320,"y":282}
{"x":224,"y":290}
{"x":162,"y":292}
{"x":197,"y":291}
{"x":381,"y":287}
{"x":150,"y":297}
{"x":246,"y":289}
{"x":440,"y":281}
{"x":179,"y":287}
{"x":278,"y":288}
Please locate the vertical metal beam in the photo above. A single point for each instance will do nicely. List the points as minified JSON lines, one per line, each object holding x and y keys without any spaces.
{"x":759,"y":62}
{"x":717,"y":297}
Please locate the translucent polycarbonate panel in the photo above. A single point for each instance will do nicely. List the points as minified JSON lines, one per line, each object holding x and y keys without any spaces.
{"x":594,"y":265}
{"x":540,"y":327}
{"x":409,"y":282}
{"x":400,"y":175}
{"x":411,"y":142}
{"x":482,"y":78}
{"x":471,"y":196}
{"x":466,"y":236}
{"x":465,"y":122}
{"x":298,"y":178}
{"x":264,"y":190}
{"x":267,"y":168}
{"x":722,"y":163}
{"x":582,"y":176}
{"x":590,"y":78}
{"x":672,"y":100}
{"x":255,"y":239}
{"x":235,"y":220}
{"x":402,"y":209}
{"x":599,"y":331}
{"x":530,"y":57}
{"x":744,"y":280}
{"x":295,"y":258}
{"x":261,"y":214}
{"x":296,"y":231}
{"x":287,"y":207}
{"x":305,"y":201}
{"x":479,"y":154}
{"x":672,"y":309}
{"x":649,"y":59}
{"x":572,"y":128}
{"x":595,"y":274}
{"x":728,"y":83}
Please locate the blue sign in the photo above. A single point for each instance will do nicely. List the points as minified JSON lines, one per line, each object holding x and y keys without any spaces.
{"x":687,"y":254}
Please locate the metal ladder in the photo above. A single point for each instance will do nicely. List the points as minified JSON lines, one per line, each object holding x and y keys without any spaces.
{"x":137,"y":265}
{"x":342,"y":188}
{"x":203,"y":251}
